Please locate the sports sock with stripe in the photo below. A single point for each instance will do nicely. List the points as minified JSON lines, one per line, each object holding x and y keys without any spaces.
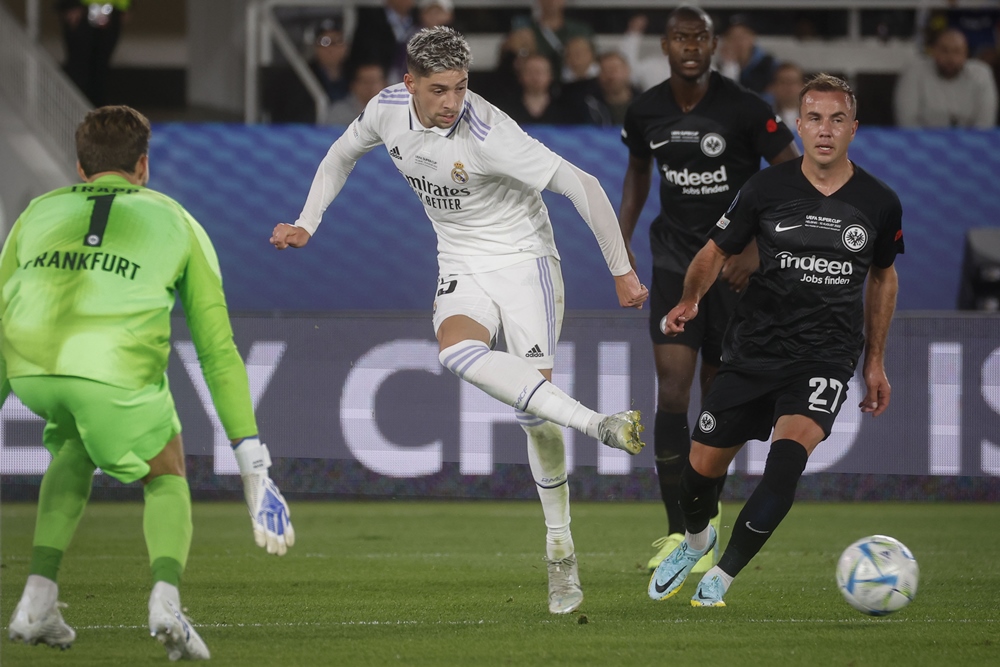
{"x":547,"y":460}
{"x":671,"y":445}
{"x":517,"y":383}
{"x":62,"y":498}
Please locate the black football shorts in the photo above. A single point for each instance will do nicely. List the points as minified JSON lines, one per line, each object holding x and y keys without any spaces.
{"x":741,"y":405}
{"x":704,"y":332}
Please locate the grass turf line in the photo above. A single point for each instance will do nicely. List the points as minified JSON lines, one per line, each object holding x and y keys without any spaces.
{"x":463,"y":583}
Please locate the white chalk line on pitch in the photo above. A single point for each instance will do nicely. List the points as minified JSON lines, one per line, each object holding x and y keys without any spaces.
{"x":290,"y":625}
{"x":674,"y":621}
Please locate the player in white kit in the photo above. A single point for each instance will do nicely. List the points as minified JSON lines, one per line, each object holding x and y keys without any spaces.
{"x":479,"y":177}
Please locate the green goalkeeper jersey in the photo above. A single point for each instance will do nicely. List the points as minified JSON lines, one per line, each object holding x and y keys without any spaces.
{"x":88,"y":277}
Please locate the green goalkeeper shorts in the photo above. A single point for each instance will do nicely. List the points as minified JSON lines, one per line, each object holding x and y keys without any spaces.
{"x":120,"y":428}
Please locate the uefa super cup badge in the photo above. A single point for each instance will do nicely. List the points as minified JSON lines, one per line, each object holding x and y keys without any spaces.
{"x":459,"y":174}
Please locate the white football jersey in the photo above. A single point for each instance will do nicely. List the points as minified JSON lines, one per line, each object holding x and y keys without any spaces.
{"x":479,"y":181}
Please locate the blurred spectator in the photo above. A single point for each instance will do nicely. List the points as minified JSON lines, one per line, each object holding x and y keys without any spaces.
{"x":646,"y":72}
{"x":381,"y":35}
{"x":288,"y":100}
{"x":579,"y":62}
{"x":514,"y":50}
{"x":552,"y":30}
{"x":330,"y":58}
{"x":784,"y":92}
{"x":436,"y":12}
{"x":606,"y":106}
{"x":979,"y":25}
{"x":366,"y":82}
{"x":90,"y":33}
{"x":946,"y":89}
{"x":538,"y":100}
{"x":805,"y":28}
{"x":743,"y":60}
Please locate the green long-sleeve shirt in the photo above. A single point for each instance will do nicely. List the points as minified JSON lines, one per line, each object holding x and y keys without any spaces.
{"x":88,"y":277}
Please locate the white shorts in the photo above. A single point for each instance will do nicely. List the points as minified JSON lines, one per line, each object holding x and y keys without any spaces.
{"x":525,"y":299}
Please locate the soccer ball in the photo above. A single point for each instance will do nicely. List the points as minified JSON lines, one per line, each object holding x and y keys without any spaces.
{"x":877,"y":575}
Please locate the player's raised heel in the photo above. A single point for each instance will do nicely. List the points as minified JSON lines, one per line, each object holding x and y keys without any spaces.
{"x":172,"y":628}
{"x":565,"y":593}
{"x":669,"y":575}
{"x":621,"y":431}
{"x":663,"y":547}
{"x":709,"y":593}
{"x":47,"y":627}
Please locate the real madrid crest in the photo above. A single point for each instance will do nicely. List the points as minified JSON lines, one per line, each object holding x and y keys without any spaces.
{"x":459,"y":174}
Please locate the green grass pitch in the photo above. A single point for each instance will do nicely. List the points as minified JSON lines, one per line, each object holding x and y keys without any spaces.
{"x":463,"y":583}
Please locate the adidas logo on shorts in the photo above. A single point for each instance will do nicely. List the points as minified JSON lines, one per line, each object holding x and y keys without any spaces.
{"x":534,"y":352}
{"x":395,"y":153}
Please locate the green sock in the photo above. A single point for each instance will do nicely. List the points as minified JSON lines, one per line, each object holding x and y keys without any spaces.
{"x":61,"y":500}
{"x":166,"y":523}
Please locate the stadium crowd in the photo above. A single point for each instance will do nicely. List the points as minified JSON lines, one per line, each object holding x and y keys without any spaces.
{"x":550,"y":71}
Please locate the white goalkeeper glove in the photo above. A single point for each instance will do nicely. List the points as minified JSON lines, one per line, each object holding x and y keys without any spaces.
{"x":272,"y":526}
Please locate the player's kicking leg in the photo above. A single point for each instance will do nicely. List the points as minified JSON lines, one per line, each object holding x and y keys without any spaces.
{"x":528,"y":299}
{"x":465,"y":351}
{"x":167,"y":527}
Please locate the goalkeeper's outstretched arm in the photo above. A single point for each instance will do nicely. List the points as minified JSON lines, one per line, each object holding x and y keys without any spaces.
{"x":200,"y":289}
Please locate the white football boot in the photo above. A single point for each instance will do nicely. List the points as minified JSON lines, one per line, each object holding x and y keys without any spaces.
{"x":171,"y":627}
{"x":37,"y":619}
{"x":565,"y":594}
{"x":621,"y":431}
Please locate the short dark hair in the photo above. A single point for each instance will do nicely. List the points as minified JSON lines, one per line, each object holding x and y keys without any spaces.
{"x":827,"y":83}
{"x":112,"y":138}
{"x":690,"y":13}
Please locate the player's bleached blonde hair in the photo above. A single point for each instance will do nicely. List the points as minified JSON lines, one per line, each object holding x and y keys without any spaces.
{"x":827,"y":83}
{"x":438,"y":49}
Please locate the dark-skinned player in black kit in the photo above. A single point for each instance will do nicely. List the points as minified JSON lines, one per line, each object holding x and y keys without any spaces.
{"x":708,"y":136}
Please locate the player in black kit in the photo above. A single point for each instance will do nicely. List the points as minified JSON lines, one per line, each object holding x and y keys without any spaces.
{"x":823,"y":226}
{"x":708,"y":135}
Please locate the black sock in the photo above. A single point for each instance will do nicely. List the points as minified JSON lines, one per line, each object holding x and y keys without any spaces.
{"x":718,"y":493}
{"x":699,"y":499}
{"x":767,"y":506}
{"x":671,"y":445}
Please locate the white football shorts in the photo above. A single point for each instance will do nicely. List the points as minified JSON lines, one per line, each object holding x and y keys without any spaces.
{"x":526,"y":300}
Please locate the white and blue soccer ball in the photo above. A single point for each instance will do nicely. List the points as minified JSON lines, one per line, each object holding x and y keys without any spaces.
{"x":878,"y":575}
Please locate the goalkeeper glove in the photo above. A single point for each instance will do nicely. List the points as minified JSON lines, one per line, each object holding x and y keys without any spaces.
{"x":272,"y":527}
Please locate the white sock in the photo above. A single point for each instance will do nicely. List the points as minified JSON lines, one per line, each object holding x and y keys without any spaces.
{"x":547,"y":459}
{"x":726,"y":579}
{"x":697,"y":541}
{"x":167,"y":592}
{"x":41,"y":593}
{"x":517,"y":383}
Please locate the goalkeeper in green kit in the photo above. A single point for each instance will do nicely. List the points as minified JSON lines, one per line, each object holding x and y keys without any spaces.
{"x":89,"y":274}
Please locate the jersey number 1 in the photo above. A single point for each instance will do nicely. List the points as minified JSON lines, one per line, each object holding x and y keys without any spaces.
{"x":98,"y":219}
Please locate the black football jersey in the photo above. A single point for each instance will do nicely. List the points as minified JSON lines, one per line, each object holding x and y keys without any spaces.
{"x":703,"y":156}
{"x":805,"y":301}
